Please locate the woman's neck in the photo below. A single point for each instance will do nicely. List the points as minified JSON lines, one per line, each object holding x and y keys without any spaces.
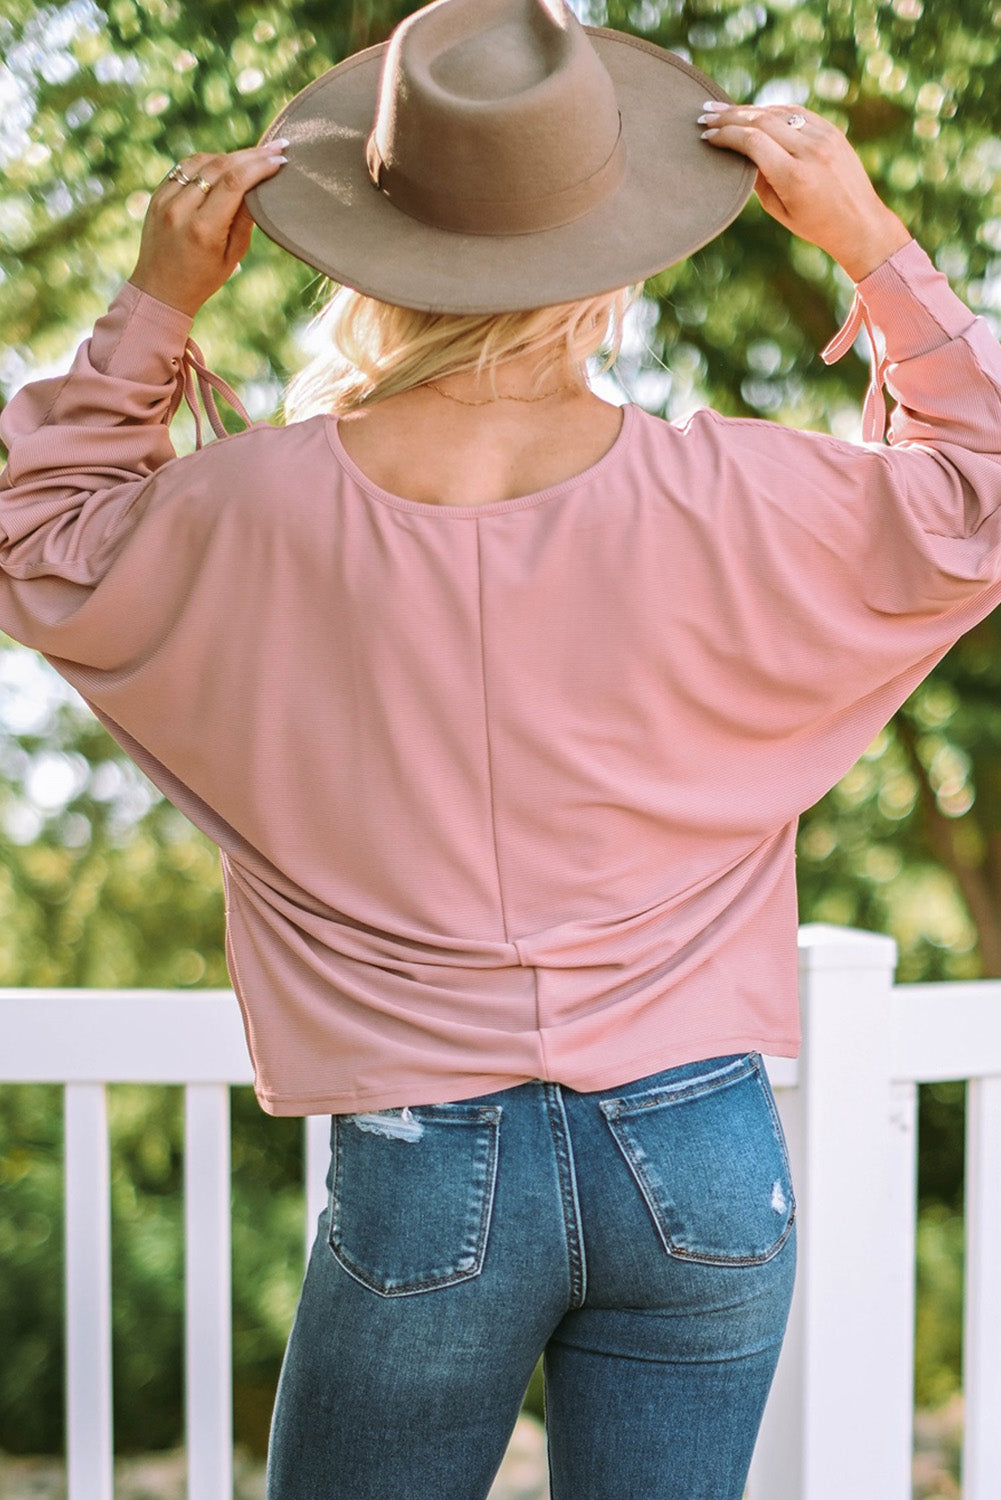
{"x":520,"y":381}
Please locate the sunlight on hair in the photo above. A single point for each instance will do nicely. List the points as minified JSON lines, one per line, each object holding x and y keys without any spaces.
{"x":369,"y":350}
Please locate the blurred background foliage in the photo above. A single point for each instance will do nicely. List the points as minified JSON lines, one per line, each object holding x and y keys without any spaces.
{"x":102,"y":883}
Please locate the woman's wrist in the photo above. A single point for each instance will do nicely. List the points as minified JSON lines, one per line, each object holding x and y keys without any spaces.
{"x":165,"y":294}
{"x":872,"y":246}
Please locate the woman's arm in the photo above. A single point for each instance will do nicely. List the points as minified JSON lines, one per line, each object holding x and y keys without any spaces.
{"x":920,"y":517}
{"x":84,"y":446}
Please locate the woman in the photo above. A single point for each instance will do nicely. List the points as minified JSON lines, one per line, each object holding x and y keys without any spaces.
{"x":501,"y":704}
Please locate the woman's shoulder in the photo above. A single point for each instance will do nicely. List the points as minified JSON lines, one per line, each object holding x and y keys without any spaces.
{"x":720,"y":432}
{"x":261,"y":470}
{"x":264,"y":449}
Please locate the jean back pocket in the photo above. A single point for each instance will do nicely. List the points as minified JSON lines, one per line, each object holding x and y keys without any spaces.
{"x":411,"y":1195}
{"x":709,"y":1157}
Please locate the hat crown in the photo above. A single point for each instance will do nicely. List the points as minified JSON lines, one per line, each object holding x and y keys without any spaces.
{"x":517,"y":52}
{"x":495,"y":117}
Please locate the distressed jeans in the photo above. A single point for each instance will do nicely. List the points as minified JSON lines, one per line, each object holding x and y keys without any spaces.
{"x":640,"y":1239}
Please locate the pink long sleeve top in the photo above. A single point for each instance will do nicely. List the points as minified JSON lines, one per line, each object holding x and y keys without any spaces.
{"x":503,"y":791}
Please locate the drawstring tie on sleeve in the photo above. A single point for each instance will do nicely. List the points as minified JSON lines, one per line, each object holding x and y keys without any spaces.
{"x":196,"y":380}
{"x":874,"y":411}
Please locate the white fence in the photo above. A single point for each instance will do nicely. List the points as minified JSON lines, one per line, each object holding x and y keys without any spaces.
{"x":839,"y":1419}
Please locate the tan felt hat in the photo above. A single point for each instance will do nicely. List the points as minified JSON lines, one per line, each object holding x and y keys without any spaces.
{"x":495,"y":155}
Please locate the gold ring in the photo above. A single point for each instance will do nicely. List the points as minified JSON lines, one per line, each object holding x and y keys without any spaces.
{"x":200,"y":182}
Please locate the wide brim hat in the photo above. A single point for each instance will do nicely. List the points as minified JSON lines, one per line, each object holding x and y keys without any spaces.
{"x":495,"y":155}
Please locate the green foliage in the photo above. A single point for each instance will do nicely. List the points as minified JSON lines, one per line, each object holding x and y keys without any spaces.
{"x":939,"y":1291}
{"x":941,"y":1132}
{"x":910,"y":841}
{"x":31,"y":1285}
{"x":101,"y":883}
{"x":268,"y":1226}
{"x":939,"y":1320}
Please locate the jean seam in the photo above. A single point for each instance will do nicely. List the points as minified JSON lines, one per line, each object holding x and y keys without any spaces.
{"x":569,"y":1202}
{"x":723,"y":1260}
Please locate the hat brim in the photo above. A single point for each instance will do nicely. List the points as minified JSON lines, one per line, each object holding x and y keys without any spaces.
{"x":676,"y":194}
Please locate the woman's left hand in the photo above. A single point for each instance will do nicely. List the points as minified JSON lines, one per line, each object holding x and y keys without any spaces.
{"x":196,"y":231}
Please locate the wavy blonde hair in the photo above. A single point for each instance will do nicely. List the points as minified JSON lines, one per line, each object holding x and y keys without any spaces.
{"x":371,"y":349}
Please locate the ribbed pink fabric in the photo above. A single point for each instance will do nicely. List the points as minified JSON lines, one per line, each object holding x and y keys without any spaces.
{"x":503,"y":791}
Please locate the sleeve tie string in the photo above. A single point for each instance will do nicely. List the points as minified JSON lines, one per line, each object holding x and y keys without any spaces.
{"x":874,"y":410}
{"x":196,"y":380}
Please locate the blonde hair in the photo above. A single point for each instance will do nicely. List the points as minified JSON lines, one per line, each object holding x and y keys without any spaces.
{"x":372,"y":349}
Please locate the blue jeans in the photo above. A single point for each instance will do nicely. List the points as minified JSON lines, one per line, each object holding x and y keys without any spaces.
{"x":641,"y":1239}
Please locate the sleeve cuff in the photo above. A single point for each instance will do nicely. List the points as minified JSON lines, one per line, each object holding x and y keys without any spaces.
{"x":913,"y":305}
{"x":154,"y":313}
{"x":140,"y":338}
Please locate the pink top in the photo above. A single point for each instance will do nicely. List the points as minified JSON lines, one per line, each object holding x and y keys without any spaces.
{"x":504,"y":791}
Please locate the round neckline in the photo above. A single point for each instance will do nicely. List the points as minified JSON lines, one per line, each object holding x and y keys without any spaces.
{"x":492,"y":507}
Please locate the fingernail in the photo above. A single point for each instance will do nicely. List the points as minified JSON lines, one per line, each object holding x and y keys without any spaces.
{"x":280,"y":159}
{"x":708,"y":135}
{"x":715,"y":104}
{"x":706,"y":119}
{"x":282,"y":141}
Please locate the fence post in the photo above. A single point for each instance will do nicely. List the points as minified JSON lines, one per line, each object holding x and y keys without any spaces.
{"x":208,"y":1339}
{"x":89,"y":1446}
{"x":981,"y":1467}
{"x":317,"y":1158}
{"x":840,"y":1414}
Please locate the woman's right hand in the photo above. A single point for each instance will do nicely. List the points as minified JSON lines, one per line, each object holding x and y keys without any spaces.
{"x":810,"y":179}
{"x":197,"y":227}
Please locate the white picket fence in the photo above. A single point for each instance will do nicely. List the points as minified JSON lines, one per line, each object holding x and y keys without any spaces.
{"x":839,"y":1419}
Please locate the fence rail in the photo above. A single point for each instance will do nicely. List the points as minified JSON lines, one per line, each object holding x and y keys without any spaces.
{"x":840,"y":1416}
